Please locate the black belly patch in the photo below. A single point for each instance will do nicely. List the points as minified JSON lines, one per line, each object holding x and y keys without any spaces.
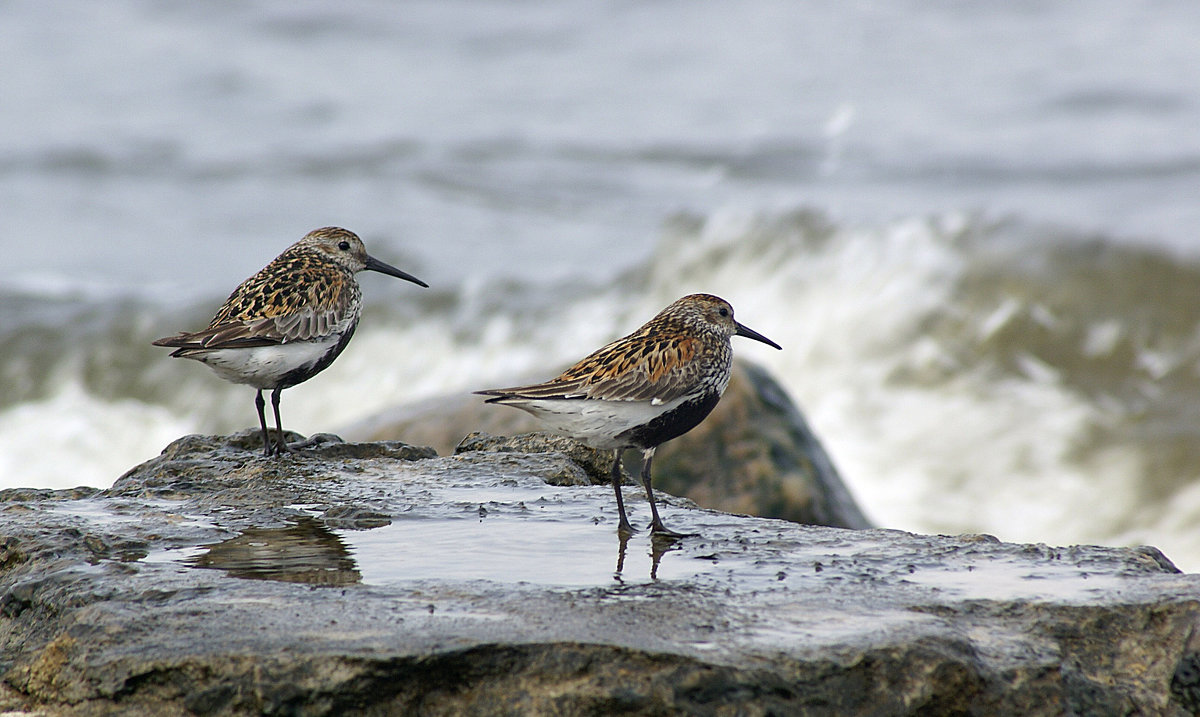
{"x":672,"y":424}
{"x":302,"y":374}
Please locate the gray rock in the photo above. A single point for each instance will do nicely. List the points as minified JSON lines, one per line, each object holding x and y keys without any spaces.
{"x":380,"y":579}
{"x":755,"y":454}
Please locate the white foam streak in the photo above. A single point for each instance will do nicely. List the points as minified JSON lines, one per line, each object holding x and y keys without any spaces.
{"x":75,"y":439}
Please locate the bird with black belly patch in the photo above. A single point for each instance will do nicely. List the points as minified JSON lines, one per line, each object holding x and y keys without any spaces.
{"x":642,"y":390}
{"x":288,"y":322}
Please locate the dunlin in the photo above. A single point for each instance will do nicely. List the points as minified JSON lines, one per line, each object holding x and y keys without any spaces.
{"x":642,"y":390}
{"x":289,"y":321}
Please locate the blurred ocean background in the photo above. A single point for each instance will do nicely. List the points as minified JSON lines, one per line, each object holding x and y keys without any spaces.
{"x":973,"y":226}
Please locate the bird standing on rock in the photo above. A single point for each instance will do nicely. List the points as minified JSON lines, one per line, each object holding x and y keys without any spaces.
{"x":288,"y":322}
{"x":642,"y":390}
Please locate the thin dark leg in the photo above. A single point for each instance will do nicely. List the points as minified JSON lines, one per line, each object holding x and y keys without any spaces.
{"x":261,"y":405}
{"x":656,"y":525}
{"x":281,"y":445}
{"x":623,"y":527}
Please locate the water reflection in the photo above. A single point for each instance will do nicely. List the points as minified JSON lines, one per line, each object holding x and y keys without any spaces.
{"x":304,"y":552}
{"x":479,"y":545}
{"x":659,"y":546}
{"x":566,"y":553}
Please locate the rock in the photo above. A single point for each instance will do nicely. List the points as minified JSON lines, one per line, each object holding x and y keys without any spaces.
{"x":755,"y":454}
{"x":368,"y":578}
{"x":596,"y":466}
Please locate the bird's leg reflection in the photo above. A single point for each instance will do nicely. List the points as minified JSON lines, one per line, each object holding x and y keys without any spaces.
{"x":623,"y":544}
{"x":660,"y":545}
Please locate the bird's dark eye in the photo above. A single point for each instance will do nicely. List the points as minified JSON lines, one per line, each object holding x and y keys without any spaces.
{"x":724,"y":312}
{"x":344,"y":245}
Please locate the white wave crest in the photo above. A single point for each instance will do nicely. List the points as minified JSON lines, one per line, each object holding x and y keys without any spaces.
{"x":76,"y":439}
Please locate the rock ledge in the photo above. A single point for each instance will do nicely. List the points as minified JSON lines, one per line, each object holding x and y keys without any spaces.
{"x":380,"y":579}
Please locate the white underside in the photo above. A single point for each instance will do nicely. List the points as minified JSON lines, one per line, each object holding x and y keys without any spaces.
{"x":596,"y":423}
{"x":263,"y":366}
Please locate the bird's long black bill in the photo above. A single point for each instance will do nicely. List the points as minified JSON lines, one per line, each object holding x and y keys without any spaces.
{"x":752,"y":334}
{"x":374,"y":264}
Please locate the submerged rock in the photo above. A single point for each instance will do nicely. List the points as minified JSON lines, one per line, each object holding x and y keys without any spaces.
{"x":755,"y":454}
{"x":379,"y":578}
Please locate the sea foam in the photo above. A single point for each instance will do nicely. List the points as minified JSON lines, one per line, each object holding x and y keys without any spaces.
{"x":75,"y":439}
{"x":966,"y":375}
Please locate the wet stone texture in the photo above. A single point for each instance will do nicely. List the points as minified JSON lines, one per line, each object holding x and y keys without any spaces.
{"x":379,"y":578}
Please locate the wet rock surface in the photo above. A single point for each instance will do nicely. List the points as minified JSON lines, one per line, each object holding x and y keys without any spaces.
{"x":755,"y":454}
{"x":381,"y":579}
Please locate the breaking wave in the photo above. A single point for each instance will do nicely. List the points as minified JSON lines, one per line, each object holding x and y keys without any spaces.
{"x":967,"y":374}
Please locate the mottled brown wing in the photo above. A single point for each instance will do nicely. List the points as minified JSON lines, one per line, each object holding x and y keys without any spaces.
{"x":625,"y":370}
{"x":237,"y":334}
{"x":647,"y":370}
{"x":308,"y":323}
{"x":291,"y":299}
{"x":298,"y":326}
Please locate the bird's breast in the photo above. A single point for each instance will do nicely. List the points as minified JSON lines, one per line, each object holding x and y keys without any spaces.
{"x":265,"y":367}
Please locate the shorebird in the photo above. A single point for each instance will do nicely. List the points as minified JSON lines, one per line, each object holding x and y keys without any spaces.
{"x":642,"y":390}
{"x":288,"y":322}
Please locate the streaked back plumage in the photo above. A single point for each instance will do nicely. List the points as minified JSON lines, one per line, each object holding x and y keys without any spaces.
{"x":683,"y":350}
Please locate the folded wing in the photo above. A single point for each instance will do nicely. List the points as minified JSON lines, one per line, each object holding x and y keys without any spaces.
{"x":657,"y":371}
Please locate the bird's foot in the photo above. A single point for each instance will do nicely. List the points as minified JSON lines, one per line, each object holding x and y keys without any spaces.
{"x":659,"y":531}
{"x":278,"y":451}
{"x":315,"y":439}
{"x":277,"y":447}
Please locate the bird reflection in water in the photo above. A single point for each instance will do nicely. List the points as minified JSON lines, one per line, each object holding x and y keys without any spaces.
{"x":659,"y":546}
{"x":304,"y":552}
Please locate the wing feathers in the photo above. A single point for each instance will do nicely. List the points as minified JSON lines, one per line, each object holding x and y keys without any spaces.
{"x":304,"y":325}
{"x":297,"y":297}
{"x":622,"y":371}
